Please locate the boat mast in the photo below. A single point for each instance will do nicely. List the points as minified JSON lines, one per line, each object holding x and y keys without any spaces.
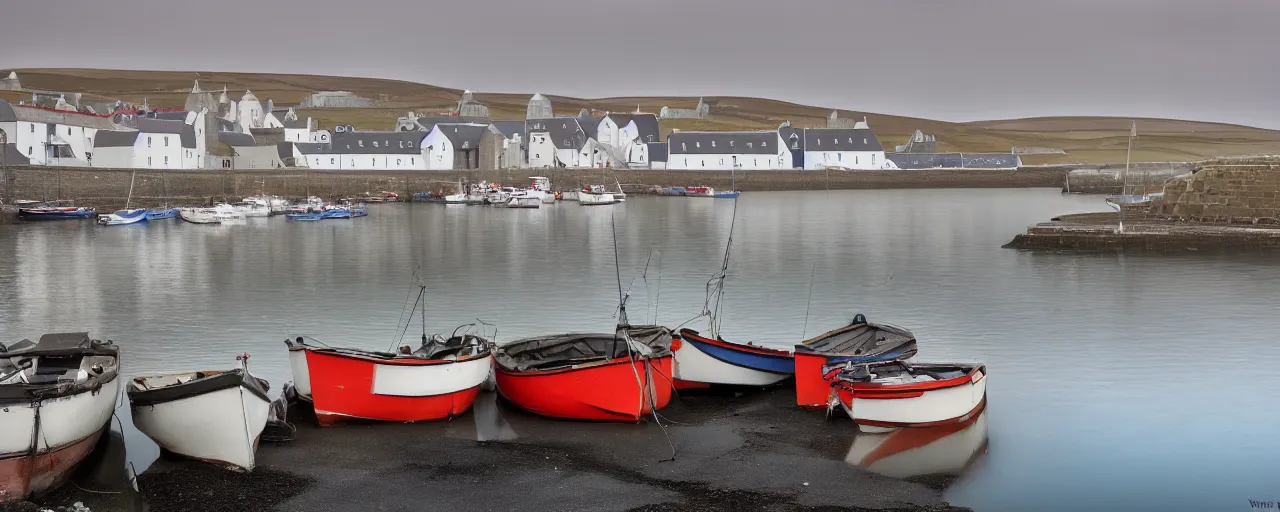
{"x":714,"y":309}
{"x":129,"y":199}
{"x":1133,"y":132}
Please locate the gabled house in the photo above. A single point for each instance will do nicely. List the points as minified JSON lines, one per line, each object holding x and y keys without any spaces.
{"x":155,"y":144}
{"x":794,"y":142}
{"x":52,"y":137}
{"x":454,"y":146}
{"x":511,"y":154}
{"x":856,"y":148}
{"x":556,"y":142}
{"x":363,"y":151}
{"x":727,"y":150}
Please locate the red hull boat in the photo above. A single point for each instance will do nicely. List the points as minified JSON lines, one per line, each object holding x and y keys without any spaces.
{"x":436,"y":382}
{"x":603,"y":377}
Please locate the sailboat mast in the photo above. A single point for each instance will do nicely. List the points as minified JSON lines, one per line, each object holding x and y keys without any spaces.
{"x":128,"y":200}
{"x":1124,"y":178}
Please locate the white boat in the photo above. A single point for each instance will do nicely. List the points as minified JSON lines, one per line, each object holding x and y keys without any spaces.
{"x":228,"y":213}
{"x":541,"y":187}
{"x":311,"y":205}
{"x":884,"y":396}
{"x":946,"y":450}
{"x":123,"y":217}
{"x":590,"y":199}
{"x":571,"y":195}
{"x":199,"y":215}
{"x":523,"y":202}
{"x":253,"y":209}
{"x":56,"y":399}
{"x":214,"y":416}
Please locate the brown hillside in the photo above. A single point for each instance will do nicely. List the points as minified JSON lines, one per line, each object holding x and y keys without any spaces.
{"x":1086,"y":139}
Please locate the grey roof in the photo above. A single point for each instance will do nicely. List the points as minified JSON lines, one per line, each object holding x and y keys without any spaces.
{"x":840,"y":139}
{"x":463,"y":136}
{"x":313,"y":148}
{"x":791,"y":137}
{"x":12,"y":156}
{"x":428,"y":122}
{"x":657,"y":151}
{"x":510,"y":129}
{"x":378,"y":143}
{"x":646,"y":125}
{"x":114,"y":139}
{"x":285,"y":150}
{"x":741,"y":143}
{"x":7,"y":115}
{"x":294,"y":124}
{"x":235,"y":139}
{"x":954,"y":160}
{"x":151,"y":125}
{"x":565,"y":132}
{"x":591,"y":125}
{"x":225,"y":125}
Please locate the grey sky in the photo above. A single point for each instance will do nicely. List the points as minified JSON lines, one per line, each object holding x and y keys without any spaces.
{"x":957,"y":60}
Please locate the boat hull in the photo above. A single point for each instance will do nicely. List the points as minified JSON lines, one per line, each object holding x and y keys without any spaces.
{"x":56,"y":213}
{"x":162,"y":214}
{"x":921,"y":404}
{"x":711,"y":361}
{"x":606,"y":391}
{"x":68,"y":429}
{"x":123,"y":218}
{"x":303,"y":216}
{"x":221,"y":426}
{"x":402,"y":390}
{"x":301,"y":372}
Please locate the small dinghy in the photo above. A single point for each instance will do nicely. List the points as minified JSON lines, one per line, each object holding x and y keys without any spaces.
{"x":607,"y":377}
{"x":164,"y":213}
{"x":56,"y":399}
{"x":885,"y":396}
{"x":439,"y":380}
{"x":214,"y":416}
{"x":200,"y":215}
{"x":57,"y":213}
{"x":708,"y":360}
{"x":859,"y":342}
{"x":123,"y":217}
{"x":942,"y":451}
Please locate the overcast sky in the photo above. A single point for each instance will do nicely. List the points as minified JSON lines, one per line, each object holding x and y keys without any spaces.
{"x":956,"y":60}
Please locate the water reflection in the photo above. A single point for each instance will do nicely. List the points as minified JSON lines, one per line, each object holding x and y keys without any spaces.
{"x":941,"y":453}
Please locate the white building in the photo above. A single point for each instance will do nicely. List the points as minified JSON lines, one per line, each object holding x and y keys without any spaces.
{"x":559,"y":142}
{"x":364,"y":151}
{"x":454,"y":146}
{"x":295,"y":129}
{"x":722,"y":151}
{"x":156,"y":144}
{"x":512,"y":152}
{"x":855,"y":148}
{"x":51,"y":137}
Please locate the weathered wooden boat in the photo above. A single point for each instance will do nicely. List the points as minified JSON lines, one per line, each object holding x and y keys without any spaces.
{"x":123,"y":217}
{"x":439,"y":380}
{"x":941,"y":451}
{"x":162,"y":213}
{"x":712,"y":360}
{"x":886,"y":396}
{"x":607,"y":377}
{"x":57,"y":213}
{"x":199,"y":215}
{"x":859,"y":342}
{"x":214,"y":416}
{"x":56,"y":399}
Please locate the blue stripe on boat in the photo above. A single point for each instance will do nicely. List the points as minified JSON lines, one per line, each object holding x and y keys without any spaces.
{"x":752,"y":360}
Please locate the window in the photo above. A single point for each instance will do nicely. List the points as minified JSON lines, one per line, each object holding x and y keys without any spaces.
{"x":373,"y":161}
{"x":148,"y":141}
{"x":166,"y":161}
{"x":410,"y":144}
{"x":855,"y":159}
{"x":864,"y":141}
{"x":697,"y":144}
{"x":683,"y":147}
{"x":402,"y":144}
{"x":537,"y":155}
{"x":28,"y":150}
{"x":375,"y":143}
{"x":33,"y":128}
{"x":713,"y":143}
{"x":704,"y":163}
{"x":411,"y":161}
{"x":835,"y":141}
{"x":873,"y":159}
{"x":764,"y":144}
{"x":839,"y":156}
{"x":148,"y":161}
{"x":68,"y":130}
{"x":166,"y":141}
{"x":331,"y":161}
{"x":755,"y":162}
{"x":721,"y":161}
{"x":361,"y":143}
{"x":397,"y":161}
{"x":730,"y":143}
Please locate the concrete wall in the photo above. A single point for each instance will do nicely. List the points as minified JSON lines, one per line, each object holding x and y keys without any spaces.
{"x":1226,"y":191}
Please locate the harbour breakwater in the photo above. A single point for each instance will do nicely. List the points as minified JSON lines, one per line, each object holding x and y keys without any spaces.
{"x":109,"y":188}
{"x":1141,"y":178}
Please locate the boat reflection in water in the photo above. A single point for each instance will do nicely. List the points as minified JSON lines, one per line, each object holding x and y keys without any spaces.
{"x":914,"y":453}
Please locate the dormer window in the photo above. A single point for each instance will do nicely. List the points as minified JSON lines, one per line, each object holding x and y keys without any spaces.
{"x":401,"y":144}
{"x":730,"y":143}
{"x":410,"y":143}
{"x":750,"y":145}
{"x":835,"y":141}
{"x":851,"y":140}
{"x":864,"y":141}
{"x":683,"y":147}
{"x":713,"y":143}
{"x":697,"y":144}
{"x":375,"y":143}
{"x":764,"y":144}
{"x":360,"y":143}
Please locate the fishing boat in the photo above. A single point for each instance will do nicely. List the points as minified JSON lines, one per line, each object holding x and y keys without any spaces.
{"x":311,"y":205}
{"x":335,"y":212}
{"x":859,"y":342}
{"x":571,"y":195}
{"x":886,"y":396}
{"x":56,"y":399}
{"x":199,"y":215}
{"x":673,"y":191}
{"x":57,"y":213}
{"x":941,"y":451}
{"x":215,"y":416}
{"x":303,"y":216}
{"x":123,"y":217}
{"x":275,"y":205}
{"x":540,"y":186}
{"x":253,"y":209}
{"x":162,"y":213}
{"x":524,"y":202}
{"x":699,"y":192}
{"x":712,"y":360}
{"x":622,"y":376}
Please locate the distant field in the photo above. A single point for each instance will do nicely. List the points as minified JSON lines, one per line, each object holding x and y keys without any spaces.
{"x":1085,"y":139}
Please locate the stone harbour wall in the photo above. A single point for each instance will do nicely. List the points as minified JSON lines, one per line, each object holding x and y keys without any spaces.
{"x":1231,"y":191}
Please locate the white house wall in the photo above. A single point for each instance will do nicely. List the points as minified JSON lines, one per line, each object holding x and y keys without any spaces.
{"x":366,"y":162}
{"x":542,"y":152}
{"x":160,"y":151}
{"x":727,"y":161}
{"x":814,"y":160}
{"x":440,"y":155}
{"x":607,"y":131}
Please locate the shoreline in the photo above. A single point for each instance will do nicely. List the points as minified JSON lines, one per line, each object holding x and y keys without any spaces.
{"x":743,"y":450}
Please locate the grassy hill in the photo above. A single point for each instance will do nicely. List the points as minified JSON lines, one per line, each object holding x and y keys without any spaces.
{"x":1085,"y":139}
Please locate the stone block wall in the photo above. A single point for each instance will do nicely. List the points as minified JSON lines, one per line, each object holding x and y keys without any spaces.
{"x":1233,"y":191}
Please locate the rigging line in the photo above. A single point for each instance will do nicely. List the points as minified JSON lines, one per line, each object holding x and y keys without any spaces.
{"x":808,"y":302}
{"x":657,"y":289}
{"x":406,"y":301}
{"x":406,"y":324}
{"x":617,"y":269}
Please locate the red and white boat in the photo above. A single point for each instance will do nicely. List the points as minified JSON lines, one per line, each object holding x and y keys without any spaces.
{"x":606,"y":377}
{"x":860,"y":342}
{"x":886,"y":396}
{"x":945,"y":450}
{"x":56,"y":399}
{"x":438,"y":381}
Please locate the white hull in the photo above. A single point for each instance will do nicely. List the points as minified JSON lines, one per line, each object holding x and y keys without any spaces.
{"x":456,"y":199}
{"x":548,"y":198}
{"x":221,"y":426}
{"x":255,"y":211}
{"x":430,"y":380}
{"x":933,"y":407}
{"x":301,"y":373}
{"x":906,"y":453}
{"x":198,"y":216}
{"x":694,"y":365}
{"x":571,"y":195}
{"x":63,"y":420}
{"x":112,"y":219}
{"x":587,"y":199}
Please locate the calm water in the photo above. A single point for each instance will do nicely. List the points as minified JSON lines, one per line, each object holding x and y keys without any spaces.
{"x":1116,"y":381}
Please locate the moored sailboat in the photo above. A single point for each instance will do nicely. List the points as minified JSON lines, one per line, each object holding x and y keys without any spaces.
{"x":214,"y":416}
{"x":56,"y":399}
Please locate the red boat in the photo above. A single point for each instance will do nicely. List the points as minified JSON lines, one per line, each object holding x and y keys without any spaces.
{"x":438,"y":381}
{"x":606,"y":377}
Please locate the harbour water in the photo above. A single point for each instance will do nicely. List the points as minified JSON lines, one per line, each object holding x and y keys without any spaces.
{"x":1116,"y":382}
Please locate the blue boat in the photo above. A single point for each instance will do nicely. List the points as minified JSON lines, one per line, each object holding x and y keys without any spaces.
{"x":123,"y":217}
{"x":673,"y":191}
{"x":360,"y":211}
{"x":162,"y":214}
{"x":303,"y":216}
{"x":726,"y":195}
{"x":336,"y":213}
{"x":709,"y":360}
{"x":56,"y":213}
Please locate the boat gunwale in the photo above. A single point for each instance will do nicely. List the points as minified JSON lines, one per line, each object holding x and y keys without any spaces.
{"x":883,"y":388}
{"x":394,"y":359}
{"x":807,"y":345}
{"x":216,"y":380}
{"x":754,"y":349}
{"x":579,"y":367}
